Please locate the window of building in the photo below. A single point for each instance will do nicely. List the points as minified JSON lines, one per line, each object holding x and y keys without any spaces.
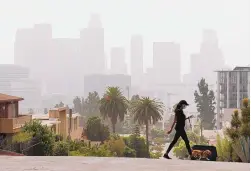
{"x":233,"y":77}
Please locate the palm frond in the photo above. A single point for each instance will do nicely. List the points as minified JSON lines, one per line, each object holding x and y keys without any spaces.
{"x":147,"y":110}
{"x":113,"y":104}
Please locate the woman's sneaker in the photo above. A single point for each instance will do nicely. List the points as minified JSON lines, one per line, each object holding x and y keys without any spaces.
{"x":166,"y":156}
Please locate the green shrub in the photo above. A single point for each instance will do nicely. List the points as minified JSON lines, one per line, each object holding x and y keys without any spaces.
{"x":61,"y":148}
{"x":128,"y":152}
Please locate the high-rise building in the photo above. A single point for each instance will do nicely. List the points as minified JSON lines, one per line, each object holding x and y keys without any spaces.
{"x":61,"y":63}
{"x":118,"y":65}
{"x":10,"y":73}
{"x":136,"y":59}
{"x":32,"y":49}
{"x":92,"y":46}
{"x":66,"y":67}
{"x":167,"y":62}
{"x":209,"y":53}
{"x":232,"y":87}
{"x":14,"y":80}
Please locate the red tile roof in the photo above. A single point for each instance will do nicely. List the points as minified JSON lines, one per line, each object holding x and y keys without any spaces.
{"x":9,"y":98}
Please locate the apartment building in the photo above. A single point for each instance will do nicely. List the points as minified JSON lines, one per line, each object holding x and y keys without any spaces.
{"x":232,"y":87}
{"x":57,"y":119}
{"x":61,"y":123}
{"x":10,"y":120}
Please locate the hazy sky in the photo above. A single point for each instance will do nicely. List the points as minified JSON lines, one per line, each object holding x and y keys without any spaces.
{"x":181,"y":21}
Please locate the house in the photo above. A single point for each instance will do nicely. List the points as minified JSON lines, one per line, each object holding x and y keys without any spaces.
{"x":57,"y":119}
{"x":61,"y":123}
{"x":10,"y":119}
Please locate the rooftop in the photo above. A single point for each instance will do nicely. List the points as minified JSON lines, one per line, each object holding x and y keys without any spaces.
{"x":46,"y":116}
{"x":9,"y":98}
{"x":49,"y":123}
{"x":236,"y":69}
{"x":112,"y":164}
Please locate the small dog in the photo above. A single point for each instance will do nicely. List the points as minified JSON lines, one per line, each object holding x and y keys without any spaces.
{"x":199,"y":154}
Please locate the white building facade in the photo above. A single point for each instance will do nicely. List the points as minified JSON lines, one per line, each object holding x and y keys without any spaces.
{"x":232,"y":87}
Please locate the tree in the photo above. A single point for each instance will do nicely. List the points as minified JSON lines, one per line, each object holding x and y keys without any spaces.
{"x":205,"y":100}
{"x":42,"y":136}
{"x":45,"y":110}
{"x":145,"y":112}
{"x":113,"y":106}
{"x":77,"y":105}
{"x":61,"y":104}
{"x":239,"y":132}
{"x":245,"y":118}
{"x":91,"y":104}
{"x":234,"y":131}
{"x":96,"y":130}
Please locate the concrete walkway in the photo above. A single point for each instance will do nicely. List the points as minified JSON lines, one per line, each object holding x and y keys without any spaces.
{"x":112,"y":164}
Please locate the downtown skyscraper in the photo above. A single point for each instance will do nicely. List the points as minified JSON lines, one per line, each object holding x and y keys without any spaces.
{"x":167,"y":62}
{"x":118,"y":65}
{"x":92,"y":46}
{"x":136,"y":59}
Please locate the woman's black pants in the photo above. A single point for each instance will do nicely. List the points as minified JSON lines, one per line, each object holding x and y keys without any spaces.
{"x":180,"y":133}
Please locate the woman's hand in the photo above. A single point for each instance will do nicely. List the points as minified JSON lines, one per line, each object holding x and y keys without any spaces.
{"x":169,"y":132}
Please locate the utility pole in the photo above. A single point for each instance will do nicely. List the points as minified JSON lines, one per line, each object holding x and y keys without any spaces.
{"x":201,"y":127}
{"x":70,"y":125}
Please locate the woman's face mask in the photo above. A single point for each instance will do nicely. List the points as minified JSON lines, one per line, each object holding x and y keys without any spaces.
{"x":184,"y":106}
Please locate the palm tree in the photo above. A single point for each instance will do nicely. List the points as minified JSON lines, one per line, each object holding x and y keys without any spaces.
{"x":113,"y":105}
{"x":145,"y":111}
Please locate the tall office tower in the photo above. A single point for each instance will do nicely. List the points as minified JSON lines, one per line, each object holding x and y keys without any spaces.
{"x":32,"y":49}
{"x":166,"y":63}
{"x":10,"y":73}
{"x":232,"y":87}
{"x":92,"y":46}
{"x":209,"y":59}
{"x":118,"y":65}
{"x":211,"y":55}
{"x":14,"y":80}
{"x":136,"y":60}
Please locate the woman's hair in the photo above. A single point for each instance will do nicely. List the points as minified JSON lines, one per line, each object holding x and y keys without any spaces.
{"x":178,"y":106}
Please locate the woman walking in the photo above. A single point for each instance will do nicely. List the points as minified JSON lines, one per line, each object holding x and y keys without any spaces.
{"x":180,"y":121}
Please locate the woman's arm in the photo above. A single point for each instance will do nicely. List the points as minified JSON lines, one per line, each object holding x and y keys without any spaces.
{"x":174,"y":122}
{"x":189,"y":117}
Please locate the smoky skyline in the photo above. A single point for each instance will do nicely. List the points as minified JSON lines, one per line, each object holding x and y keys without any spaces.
{"x":177,"y":21}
